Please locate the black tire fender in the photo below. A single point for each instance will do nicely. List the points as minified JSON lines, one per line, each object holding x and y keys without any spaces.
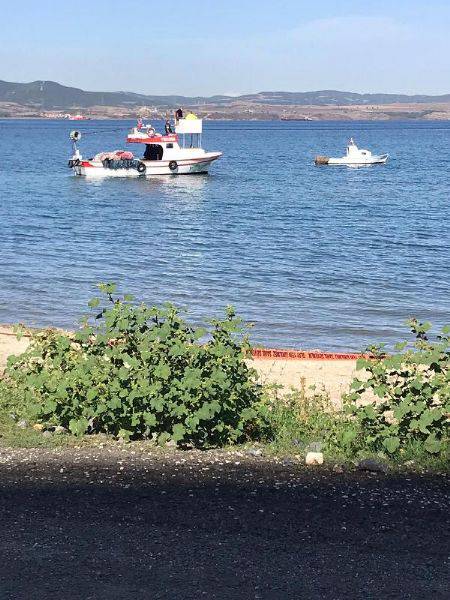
{"x":173,"y":165}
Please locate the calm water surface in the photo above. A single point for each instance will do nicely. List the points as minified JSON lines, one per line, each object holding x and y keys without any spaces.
{"x":331,"y":258}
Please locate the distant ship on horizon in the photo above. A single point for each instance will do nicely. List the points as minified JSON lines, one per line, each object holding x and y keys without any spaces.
{"x":296,"y":118}
{"x":78,"y":118}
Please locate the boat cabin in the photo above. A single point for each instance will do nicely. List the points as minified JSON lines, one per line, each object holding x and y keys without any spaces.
{"x":354,"y":151}
{"x":166,"y":147}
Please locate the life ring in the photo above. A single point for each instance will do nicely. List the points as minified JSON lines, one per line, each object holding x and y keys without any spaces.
{"x":173,"y":165}
{"x":141,"y":168}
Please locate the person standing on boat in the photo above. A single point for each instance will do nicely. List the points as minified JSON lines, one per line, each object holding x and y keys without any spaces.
{"x":178,"y":114}
{"x":168,"y":127}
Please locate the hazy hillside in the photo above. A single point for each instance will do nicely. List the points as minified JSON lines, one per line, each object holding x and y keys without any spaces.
{"x":52,"y":95}
{"x":333,"y":97}
{"x":49,"y":94}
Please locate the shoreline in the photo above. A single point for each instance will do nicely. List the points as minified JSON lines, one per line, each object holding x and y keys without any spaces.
{"x":234,"y":118}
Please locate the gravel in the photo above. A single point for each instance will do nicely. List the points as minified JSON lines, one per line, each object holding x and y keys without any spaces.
{"x":117,"y":522}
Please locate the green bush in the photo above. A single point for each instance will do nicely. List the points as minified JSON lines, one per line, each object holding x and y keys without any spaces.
{"x":299,"y":418}
{"x":138,"y":372}
{"x":402,"y":400}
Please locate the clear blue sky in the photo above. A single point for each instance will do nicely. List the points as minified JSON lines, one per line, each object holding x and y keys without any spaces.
{"x":205,"y":47}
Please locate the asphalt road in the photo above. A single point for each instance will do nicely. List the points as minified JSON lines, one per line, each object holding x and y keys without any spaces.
{"x":113,"y":524}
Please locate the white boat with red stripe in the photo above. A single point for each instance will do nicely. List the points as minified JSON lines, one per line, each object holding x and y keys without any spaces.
{"x":172,"y":153}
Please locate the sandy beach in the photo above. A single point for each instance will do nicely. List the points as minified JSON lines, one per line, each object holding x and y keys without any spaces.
{"x":331,"y":375}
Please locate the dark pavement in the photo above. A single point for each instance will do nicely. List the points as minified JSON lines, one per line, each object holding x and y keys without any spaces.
{"x":114,"y":524}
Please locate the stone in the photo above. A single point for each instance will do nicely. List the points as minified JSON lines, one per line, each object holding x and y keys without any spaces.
{"x":38,"y":427}
{"x":47,"y":434}
{"x":297,"y":442}
{"x":59,"y":429}
{"x":338,"y":469}
{"x":253,"y":452}
{"x":171,"y":444}
{"x":314,"y":458}
{"x":372,"y":465}
{"x":23,"y":424}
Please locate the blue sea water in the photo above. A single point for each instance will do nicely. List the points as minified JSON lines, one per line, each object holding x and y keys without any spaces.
{"x":316,"y":257}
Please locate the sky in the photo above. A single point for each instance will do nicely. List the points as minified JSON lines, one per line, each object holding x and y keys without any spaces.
{"x":201,"y":47}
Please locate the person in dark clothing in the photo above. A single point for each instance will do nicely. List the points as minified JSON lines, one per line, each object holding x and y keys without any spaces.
{"x":150,"y":152}
{"x":178,"y":114}
{"x":168,"y":127}
{"x":153,"y":152}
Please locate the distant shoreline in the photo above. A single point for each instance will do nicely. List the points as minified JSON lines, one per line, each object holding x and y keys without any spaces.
{"x":239,"y":111}
{"x":346,"y":118}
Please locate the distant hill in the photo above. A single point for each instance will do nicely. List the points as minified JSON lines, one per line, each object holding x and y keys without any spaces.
{"x":333,"y":97}
{"x":51,"y":95}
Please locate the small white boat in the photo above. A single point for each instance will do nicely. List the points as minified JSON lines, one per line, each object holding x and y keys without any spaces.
{"x":354,"y":157}
{"x":163,"y":154}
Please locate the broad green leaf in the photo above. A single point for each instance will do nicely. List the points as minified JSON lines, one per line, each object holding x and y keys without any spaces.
{"x":78,"y":426}
{"x":91,"y":394}
{"x":125,"y":434}
{"x":432,"y":444}
{"x":150,"y":419}
{"x":94,"y":302}
{"x":178,"y":432}
{"x":391,"y":444}
{"x":50,"y":406}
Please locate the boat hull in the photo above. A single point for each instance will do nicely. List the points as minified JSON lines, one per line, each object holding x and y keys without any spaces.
{"x":190,"y":166}
{"x":359,"y":162}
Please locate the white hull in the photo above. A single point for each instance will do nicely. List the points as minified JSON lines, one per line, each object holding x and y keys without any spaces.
{"x":359,"y":162}
{"x":354,"y":157}
{"x":93,"y":169}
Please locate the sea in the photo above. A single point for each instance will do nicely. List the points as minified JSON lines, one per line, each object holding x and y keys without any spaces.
{"x":330,"y":258}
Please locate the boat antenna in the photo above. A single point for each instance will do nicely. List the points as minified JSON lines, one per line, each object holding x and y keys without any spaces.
{"x":75,"y":136}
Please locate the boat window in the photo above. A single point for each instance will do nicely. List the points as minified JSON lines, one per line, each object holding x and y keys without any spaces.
{"x":169,"y":145}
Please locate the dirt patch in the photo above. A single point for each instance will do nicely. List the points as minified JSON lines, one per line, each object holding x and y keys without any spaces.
{"x":9,"y":344}
{"x":332,"y":376}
